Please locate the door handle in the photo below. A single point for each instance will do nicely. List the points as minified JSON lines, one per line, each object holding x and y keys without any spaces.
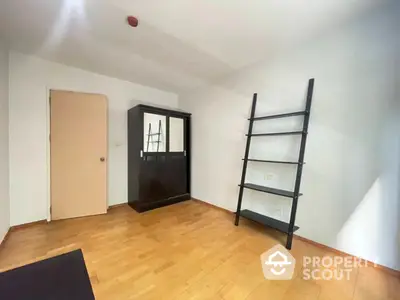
{"x":102,"y":159}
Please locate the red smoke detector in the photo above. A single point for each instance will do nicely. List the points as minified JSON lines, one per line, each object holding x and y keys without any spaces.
{"x":132,"y":21}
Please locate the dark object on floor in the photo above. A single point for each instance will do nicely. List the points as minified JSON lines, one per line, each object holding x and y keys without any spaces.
{"x":57,"y":278}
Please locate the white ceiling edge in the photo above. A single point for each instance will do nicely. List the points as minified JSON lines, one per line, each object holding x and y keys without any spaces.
{"x":176,"y":47}
{"x":391,"y":8}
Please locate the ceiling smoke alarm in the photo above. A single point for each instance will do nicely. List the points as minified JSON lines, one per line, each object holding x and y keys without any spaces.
{"x":133,"y":21}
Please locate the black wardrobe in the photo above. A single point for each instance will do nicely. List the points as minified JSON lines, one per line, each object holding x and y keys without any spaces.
{"x":158,"y":157}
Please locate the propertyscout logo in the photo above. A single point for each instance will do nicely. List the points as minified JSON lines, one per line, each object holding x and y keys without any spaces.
{"x":331,"y":267}
{"x":278,"y":264}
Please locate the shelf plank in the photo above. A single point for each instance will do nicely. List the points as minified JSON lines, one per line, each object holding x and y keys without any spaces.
{"x":292,"y":114}
{"x":274,"y":161}
{"x":267,"y":221}
{"x":269,"y":190}
{"x":276,"y":133}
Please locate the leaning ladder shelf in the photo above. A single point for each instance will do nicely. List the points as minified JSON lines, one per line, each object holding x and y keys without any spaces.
{"x":288,"y":228}
{"x":151,"y":134}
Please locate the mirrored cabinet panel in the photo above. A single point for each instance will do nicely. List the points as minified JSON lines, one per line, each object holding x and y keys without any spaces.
{"x":154,"y":138}
{"x":176,"y":134}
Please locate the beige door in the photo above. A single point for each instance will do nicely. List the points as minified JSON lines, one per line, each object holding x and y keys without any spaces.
{"x":78,"y":145}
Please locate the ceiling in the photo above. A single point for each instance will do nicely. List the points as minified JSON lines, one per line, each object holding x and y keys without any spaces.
{"x":178,"y":45}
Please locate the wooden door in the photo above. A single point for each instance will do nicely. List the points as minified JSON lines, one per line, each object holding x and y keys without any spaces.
{"x":78,"y":151}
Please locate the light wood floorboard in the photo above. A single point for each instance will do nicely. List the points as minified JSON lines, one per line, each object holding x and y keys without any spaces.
{"x":184,"y":251}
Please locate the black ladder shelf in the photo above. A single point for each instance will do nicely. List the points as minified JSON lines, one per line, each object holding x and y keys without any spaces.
{"x":150,"y":136}
{"x":288,"y":228}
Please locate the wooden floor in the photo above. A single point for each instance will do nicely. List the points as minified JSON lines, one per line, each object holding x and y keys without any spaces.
{"x":184,"y":251}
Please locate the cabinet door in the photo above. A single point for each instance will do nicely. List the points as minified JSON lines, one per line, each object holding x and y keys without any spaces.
{"x":153,"y":186}
{"x":176,"y":135}
{"x":177,"y":157}
{"x":153,"y":180}
{"x":163,"y":170}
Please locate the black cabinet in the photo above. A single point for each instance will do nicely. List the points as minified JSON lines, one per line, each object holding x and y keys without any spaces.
{"x":158,"y":157}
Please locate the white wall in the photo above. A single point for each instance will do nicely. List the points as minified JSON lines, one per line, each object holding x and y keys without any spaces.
{"x":30,"y":79}
{"x":4,"y":182}
{"x":351,"y":179}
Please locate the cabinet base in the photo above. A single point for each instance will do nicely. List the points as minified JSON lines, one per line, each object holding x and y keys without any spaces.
{"x":141,"y":206}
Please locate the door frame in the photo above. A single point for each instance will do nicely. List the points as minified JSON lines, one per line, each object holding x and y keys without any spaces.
{"x":48,"y":153}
